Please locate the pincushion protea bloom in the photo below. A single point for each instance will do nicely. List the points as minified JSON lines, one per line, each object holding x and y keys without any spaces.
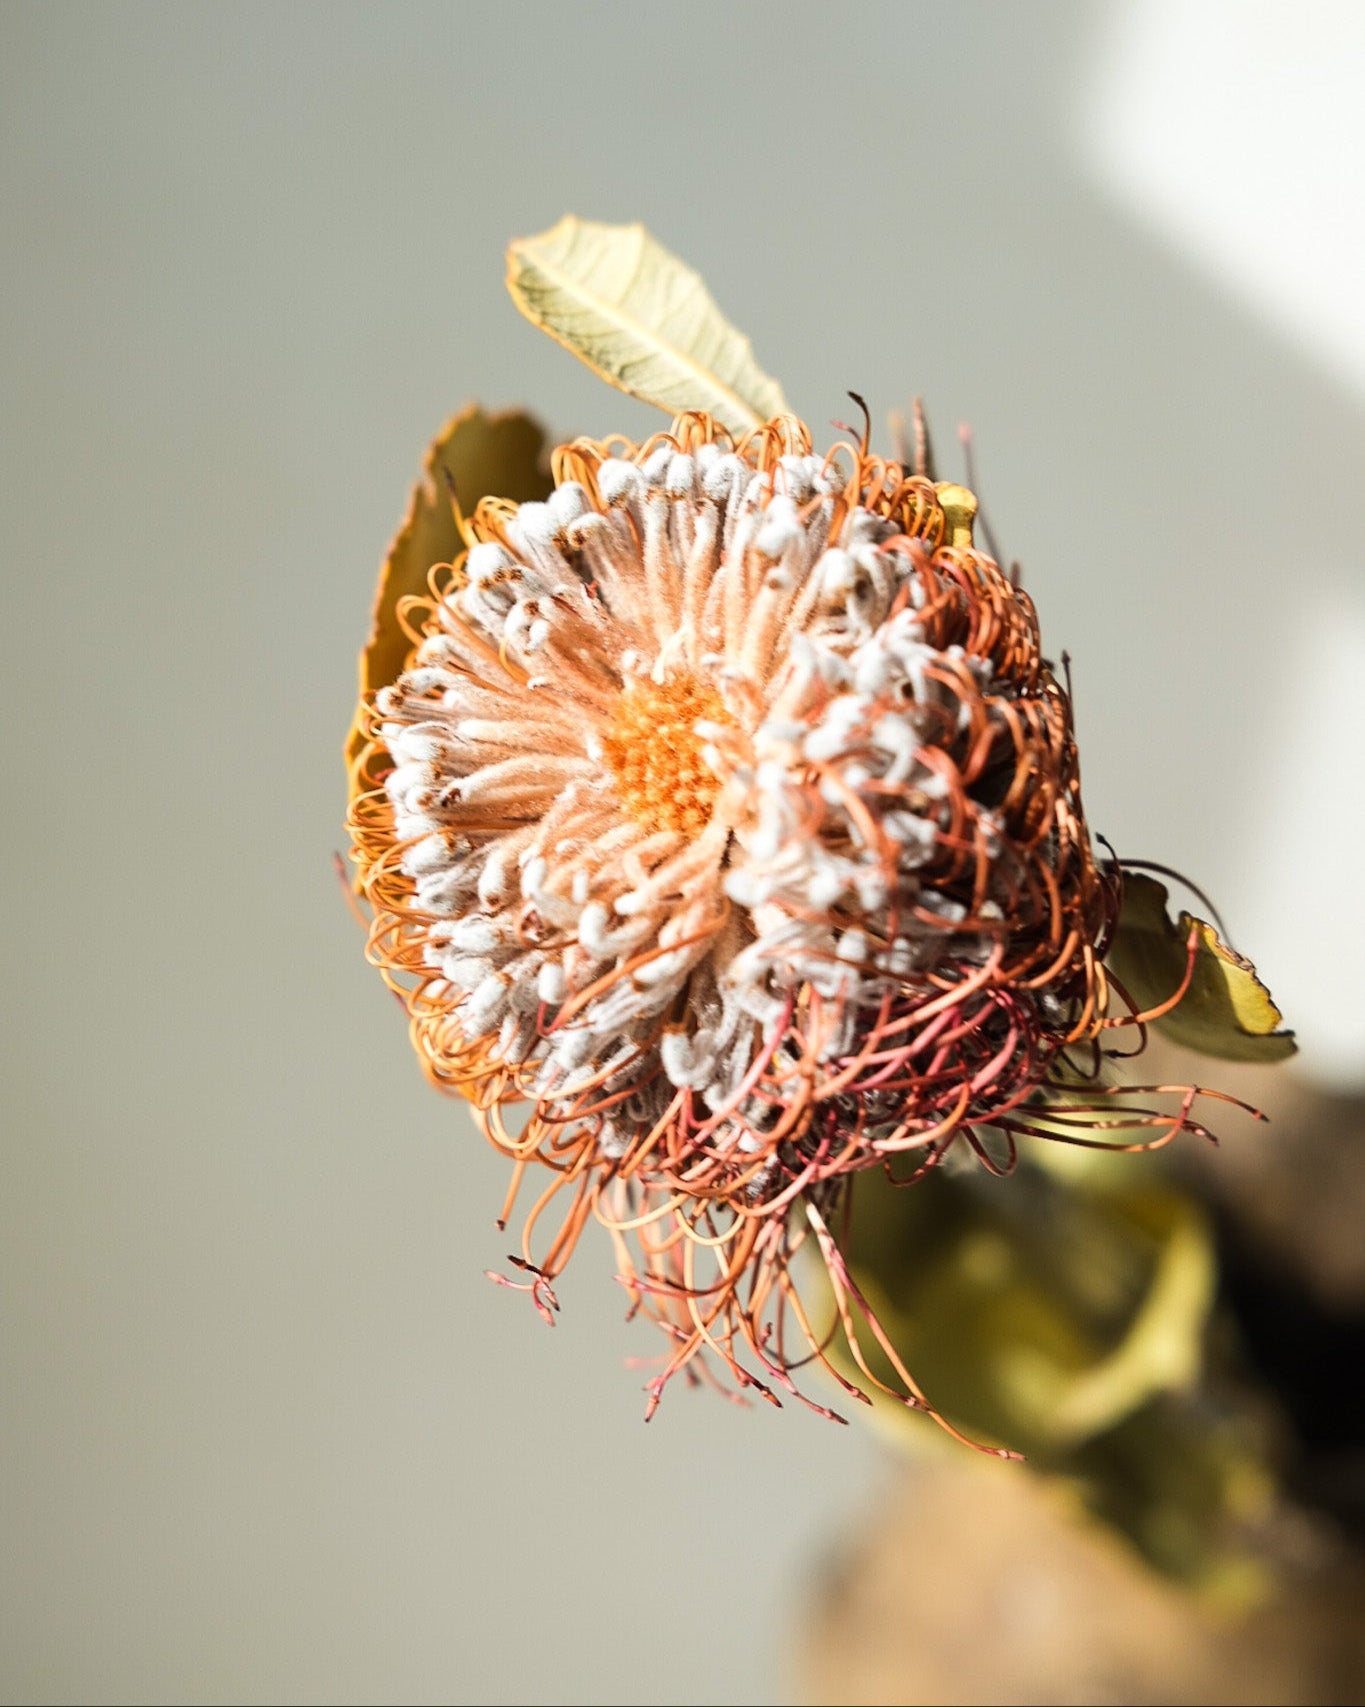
{"x":733,"y":829}
{"x":723,"y":837}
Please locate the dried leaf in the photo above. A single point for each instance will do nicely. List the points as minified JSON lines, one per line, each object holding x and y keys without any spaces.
{"x":484,"y":455}
{"x":641,"y":319}
{"x":1226,"y":1012}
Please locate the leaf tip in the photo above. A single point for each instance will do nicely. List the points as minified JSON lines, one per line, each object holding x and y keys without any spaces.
{"x":1226,"y":1012}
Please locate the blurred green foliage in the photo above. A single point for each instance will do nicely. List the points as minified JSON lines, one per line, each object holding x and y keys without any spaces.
{"x":1063,"y":1313}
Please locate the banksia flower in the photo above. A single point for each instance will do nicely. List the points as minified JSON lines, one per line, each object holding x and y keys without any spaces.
{"x":722,"y":834}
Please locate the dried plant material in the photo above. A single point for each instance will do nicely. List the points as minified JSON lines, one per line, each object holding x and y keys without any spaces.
{"x":1226,"y":1011}
{"x":474,"y":456}
{"x":720,"y":821}
{"x":641,"y":319}
{"x":732,"y":822}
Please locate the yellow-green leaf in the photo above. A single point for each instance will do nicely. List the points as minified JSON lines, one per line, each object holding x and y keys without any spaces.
{"x":1226,"y":1011}
{"x":1067,"y":1324}
{"x":483,"y":456}
{"x":1161,"y":1349}
{"x":641,"y":319}
{"x":1034,"y":1315}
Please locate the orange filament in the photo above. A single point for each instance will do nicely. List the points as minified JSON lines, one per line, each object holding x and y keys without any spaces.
{"x":655,"y":753}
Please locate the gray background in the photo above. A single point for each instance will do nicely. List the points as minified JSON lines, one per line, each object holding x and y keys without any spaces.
{"x":266,"y":1431}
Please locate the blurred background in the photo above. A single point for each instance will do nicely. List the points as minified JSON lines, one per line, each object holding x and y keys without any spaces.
{"x":265,"y":1430}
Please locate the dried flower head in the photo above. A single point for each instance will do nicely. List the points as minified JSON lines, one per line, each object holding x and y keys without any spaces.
{"x":727,"y":841}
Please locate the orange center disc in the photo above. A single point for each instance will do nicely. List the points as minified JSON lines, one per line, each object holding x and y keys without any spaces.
{"x":655,"y":753}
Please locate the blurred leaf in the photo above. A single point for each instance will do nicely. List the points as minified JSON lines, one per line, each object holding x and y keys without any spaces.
{"x":641,"y":319}
{"x":1226,"y":1011}
{"x":1162,"y":1347}
{"x":1189,"y":1488}
{"x":1032,"y":1313}
{"x":1069,"y":1325}
{"x":484,"y":456}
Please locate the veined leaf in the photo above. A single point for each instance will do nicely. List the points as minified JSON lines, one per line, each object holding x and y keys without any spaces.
{"x":484,"y":456}
{"x":641,"y":319}
{"x":1226,"y":1011}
